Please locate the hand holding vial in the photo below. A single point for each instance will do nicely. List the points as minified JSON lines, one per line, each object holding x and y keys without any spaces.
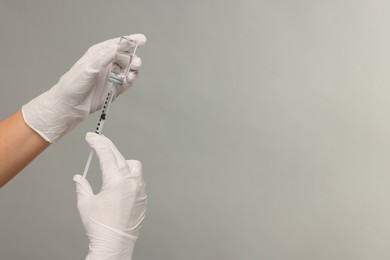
{"x":82,"y":90}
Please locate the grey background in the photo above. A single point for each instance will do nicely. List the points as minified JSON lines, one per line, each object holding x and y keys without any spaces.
{"x":263,"y":127}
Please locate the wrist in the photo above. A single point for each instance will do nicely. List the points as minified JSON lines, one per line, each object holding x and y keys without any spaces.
{"x":110,"y":254}
{"x":49,"y":117}
{"x":107,"y":243}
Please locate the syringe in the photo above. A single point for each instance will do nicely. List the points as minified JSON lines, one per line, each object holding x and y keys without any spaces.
{"x":119,"y":70}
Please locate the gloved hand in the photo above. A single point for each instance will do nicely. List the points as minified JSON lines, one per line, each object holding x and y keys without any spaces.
{"x":113,"y":217}
{"x":79,"y":92}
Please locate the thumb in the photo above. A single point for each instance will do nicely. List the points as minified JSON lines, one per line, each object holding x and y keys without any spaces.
{"x":84,"y":195}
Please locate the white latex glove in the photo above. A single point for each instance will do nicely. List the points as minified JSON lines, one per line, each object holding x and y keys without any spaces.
{"x":79,"y":92}
{"x":113,"y":217}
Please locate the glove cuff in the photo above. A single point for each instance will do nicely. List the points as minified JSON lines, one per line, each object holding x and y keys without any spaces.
{"x":49,"y":118}
{"x":108,"y":243}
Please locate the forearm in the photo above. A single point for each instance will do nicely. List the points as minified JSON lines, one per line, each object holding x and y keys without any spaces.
{"x":19,"y":145}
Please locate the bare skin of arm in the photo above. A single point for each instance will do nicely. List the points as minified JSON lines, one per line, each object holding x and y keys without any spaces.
{"x":19,"y":145}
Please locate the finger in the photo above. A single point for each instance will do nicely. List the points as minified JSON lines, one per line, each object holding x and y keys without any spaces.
{"x":136,"y":62}
{"x":101,"y":59}
{"x":107,"y":159}
{"x":84,"y":195}
{"x":136,"y":174}
{"x":135,"y":168}
{"x":83,"y":188}
{"x":107,"y":43}
{"x":121,"y":161}
{"x":132,"y":76}
{"x":139,"y":38}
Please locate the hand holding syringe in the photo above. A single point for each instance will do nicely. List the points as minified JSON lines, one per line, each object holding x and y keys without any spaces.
{"x":119,"y":69}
